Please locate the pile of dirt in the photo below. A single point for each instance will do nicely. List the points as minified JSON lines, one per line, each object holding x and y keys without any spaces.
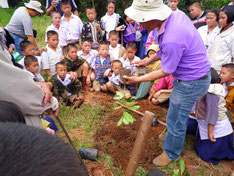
{"x":119,"y":141}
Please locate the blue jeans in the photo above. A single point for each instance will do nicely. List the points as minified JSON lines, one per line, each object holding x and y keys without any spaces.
{"x":17,"y":41}
{"x":182,"y":99}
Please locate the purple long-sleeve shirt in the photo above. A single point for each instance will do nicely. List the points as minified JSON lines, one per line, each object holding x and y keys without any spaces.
{"x":182,"y":51}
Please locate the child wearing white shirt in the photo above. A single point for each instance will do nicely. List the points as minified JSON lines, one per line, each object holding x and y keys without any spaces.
{"x":127,"y":63}
{"x":89,"y":55}
{"x":113,"y":84}
{"x":115,"y":49}
{"x":111,"y":20}
{"x":53,"y":55}
{"x":70,"y":24}
{"x":56,"y":19}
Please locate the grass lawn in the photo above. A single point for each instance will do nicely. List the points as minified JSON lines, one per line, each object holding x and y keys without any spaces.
{"x":82,"y":124}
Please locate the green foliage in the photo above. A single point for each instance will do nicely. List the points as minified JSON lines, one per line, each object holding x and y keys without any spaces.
{"x":182,"y":166}
{"x":127,"y":117}
{"x":206,"y":4}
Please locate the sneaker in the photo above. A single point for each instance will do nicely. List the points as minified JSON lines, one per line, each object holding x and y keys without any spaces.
{"x":162,"y":160}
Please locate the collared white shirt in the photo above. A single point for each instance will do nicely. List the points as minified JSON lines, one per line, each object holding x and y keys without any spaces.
{"x":208,"y":39}
{"x":51,"y":28}
{"x":50,"y":58}
{"x":114,"y":78}
{"x":114,"y":51}
{"x":110,"y":22}
{"x":36,"y":76}
{"x":70,"y":30}
{"x":90,"y":58}
{"x":65,"y":81}
{"x":126,"y":63}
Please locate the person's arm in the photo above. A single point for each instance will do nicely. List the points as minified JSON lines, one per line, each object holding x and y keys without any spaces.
{"x":32,"y":39}
{"x":145,"y":62}
{"x":148,"y":77}
{"x":212,"y":112}
{"x":211,"y":133}
{"x":47,"y":71}
{"x":51,"y":7}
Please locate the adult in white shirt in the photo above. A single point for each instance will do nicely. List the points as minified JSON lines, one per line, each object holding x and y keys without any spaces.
{"x":211,"y":30}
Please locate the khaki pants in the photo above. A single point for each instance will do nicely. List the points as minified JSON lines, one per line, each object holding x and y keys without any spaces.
{"x":163,"y":97}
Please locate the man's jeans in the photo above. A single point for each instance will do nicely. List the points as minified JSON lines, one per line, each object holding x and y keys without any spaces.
{"x":17,"y":40}
{"x":182,"y":99}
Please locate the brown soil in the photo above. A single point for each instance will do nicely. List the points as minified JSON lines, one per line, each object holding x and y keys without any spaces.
{"x":119,"y":141}
{"x":97,"y":169}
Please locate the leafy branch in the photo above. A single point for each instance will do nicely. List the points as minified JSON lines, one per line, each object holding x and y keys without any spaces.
{"x":127,"y":105}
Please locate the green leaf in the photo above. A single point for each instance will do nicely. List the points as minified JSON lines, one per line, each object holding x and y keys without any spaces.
{"x":187,"y":174}
{"x":119,"y":95}
{"x":129,"y":100}
{"x":129,"y":103}
{"x":120,"y":121}
{"x":133,"y":107}
{"x":175,"y":172}
{"x":117,"y":107}
{"x":182,"y":166}
{"x":127,"y":115}
{"x":125,"y":121}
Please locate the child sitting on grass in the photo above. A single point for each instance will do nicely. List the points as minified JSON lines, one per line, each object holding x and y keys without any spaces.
{"x":162,"y":90}
{"x":91,"y":29}
{"x":115,"y":49}
{"x":27,"y":48}
{"x":89,"y":55}
{"x":65,"y":89}
{"x":101,"y":64}
{"x":77,"y":64}
{"x":214,"y":140}
{"x":113,"y":84}
{"x":127,"y":63}
{"x":32,"y":66}
{"x":55,"y":17}
{"x":53,"y":55}
{"x":227,"y":80}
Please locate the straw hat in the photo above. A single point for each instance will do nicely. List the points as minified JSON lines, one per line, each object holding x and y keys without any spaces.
{"x":146,"y":10}
{"x":35,"y":5}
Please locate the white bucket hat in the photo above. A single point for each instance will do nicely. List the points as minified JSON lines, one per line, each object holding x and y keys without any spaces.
{"x":35,"y":5}
{"x":146,"y":10}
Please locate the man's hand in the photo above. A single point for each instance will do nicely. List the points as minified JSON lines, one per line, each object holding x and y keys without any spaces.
{"x":141,"y":63}
{"x":48,"y":94}
{"x":52,"y":112}
{"x":129,"y":79}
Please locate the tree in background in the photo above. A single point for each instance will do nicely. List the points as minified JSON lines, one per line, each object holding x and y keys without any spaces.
{"x":100,"y":5}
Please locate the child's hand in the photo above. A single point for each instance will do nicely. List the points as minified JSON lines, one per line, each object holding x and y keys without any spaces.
{"x":151,"y":93}
{"x":54,"y":3}
{"x":10,"y":50}
{"x":211,"y":136}
{"x":62,"y":58}
{"x":112,"y":58}
{"x":211,"y":133}
{"x":120,"y":28}
{"x":156,"y":95}
{"x":97,"y":26}
{"x":43,"y":49}
{"x":125,"y":56}
{"x":73,"y":75}
{"x":107,"y":72}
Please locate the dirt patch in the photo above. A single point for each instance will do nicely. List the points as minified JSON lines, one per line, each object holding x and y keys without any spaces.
{"x":98,"y":169}
{"x":119,"y":141}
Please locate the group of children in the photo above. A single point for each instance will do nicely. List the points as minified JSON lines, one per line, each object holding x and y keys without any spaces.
{"x":95,"y":66}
